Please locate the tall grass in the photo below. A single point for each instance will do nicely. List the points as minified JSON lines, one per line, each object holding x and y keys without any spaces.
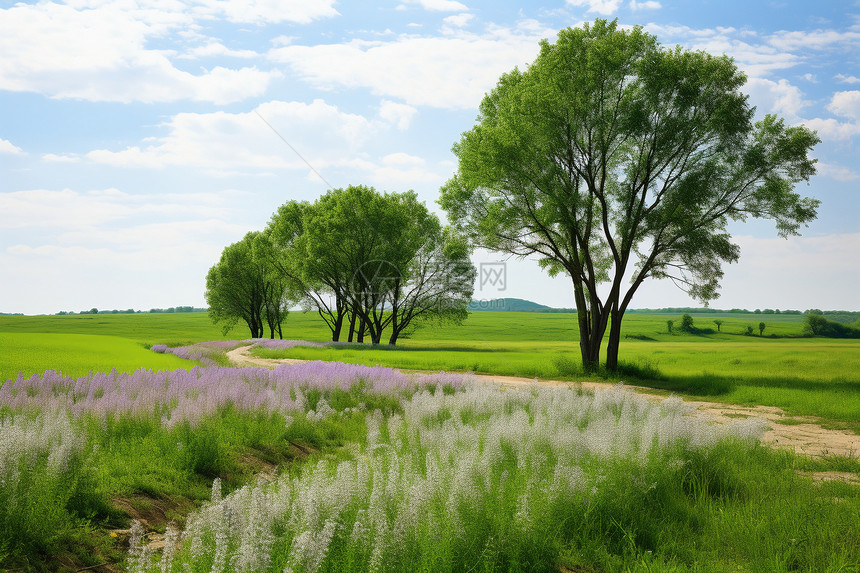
{"x":43,"y":480}
{"x":488,"y":479}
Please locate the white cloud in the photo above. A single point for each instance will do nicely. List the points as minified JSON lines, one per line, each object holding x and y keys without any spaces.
{"x":157,"y":264}
{"x":61,"y":158}
{"x":454,"y":71}
{"x":837,"y":172}
{"x":100,"y":54}
{"x":401,"y":159}
{"x":647,"y":5}
{"x":458,"y":20}
{"x":398,"y":171}
{"x":846,"y":104}
{"x":7,"y":146}
{"x":830,"y":128}
{"x":776,"y":97}
{"x":239,"y":11}
{"x":814,"y":40}
{"x":754,"y":56}
{"x":270,"y":11}
{"x":842,"y":78}
{"x":217,"y":49}
{"x":398,"y":114}
{"x":220,"y":141}
{"x":602,"y":7}
{"x":67,"y":210}
{"x":437,"y":5}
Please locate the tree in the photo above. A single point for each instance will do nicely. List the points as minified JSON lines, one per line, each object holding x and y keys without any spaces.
{"x":314,"y":268}
{"x":243,"y":286}
{"x":669,"y":325}
{"x":373,"y":260}
{"x":761,"y":327}
{"x":719,"y":323}
{"x":615,"y":160}
{"x":687,"y":323}
{"x":437,"y":285}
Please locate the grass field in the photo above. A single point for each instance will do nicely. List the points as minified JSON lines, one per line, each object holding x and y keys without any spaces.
{"x":77,"y":354}
{"x":349,"y":453}
{"x":808,"y":376}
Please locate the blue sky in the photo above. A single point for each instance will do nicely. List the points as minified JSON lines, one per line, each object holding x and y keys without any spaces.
{"x":133,"y":145}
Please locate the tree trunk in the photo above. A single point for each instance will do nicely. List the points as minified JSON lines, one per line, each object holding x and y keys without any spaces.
{"x":393,"y":338}
{"x":589,"y":346}
{"x":614,"y":340}
{"x":592,"y":325}
{"x":338,"y":324}
{"x":351,"y":327}
{"x":362,"y":325}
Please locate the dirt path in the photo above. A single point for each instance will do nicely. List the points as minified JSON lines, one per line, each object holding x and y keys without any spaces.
{"x":807,"y":437}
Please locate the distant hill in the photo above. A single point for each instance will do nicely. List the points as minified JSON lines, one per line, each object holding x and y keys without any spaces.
{"x":511,"y":305}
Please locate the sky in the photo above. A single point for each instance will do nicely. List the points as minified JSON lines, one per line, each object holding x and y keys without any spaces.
{"x":138,"y":138}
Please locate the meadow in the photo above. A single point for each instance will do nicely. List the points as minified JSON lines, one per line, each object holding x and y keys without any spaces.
{"x":327,"y":466}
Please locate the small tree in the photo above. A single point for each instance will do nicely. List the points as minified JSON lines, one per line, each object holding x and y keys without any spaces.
{"x":669,"y":325}
{"x":687,"y":323}
{"x":243,"y":286}
{"x":749,"y":331}
{"x":761,"y":326}
{"x":719,"y":323}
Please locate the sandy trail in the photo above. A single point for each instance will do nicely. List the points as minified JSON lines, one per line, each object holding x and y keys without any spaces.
{"x":807,"y":438}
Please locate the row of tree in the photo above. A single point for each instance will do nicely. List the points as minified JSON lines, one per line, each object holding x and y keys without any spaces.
{"x":367,"y":262}
{"x":612,"y":159}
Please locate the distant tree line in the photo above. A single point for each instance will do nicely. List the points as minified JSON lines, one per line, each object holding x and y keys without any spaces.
{"x":172,"y":309}
{"x":699,"y":310}
{"x":366,"y":262}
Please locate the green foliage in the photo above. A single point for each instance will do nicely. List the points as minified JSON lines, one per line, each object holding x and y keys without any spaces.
{"x":687,"y":323}
{"x":818,"y":325}
{"x":246,"y":286}
{"x":374,"y":261}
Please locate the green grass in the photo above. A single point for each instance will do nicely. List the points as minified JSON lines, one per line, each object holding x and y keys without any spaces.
{"x":735,"y":508}
{"x":804,"y":375}
{"x":77,"y":354}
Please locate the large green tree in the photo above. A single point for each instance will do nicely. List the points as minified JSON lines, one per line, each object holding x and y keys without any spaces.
{"x":616,"y":160}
